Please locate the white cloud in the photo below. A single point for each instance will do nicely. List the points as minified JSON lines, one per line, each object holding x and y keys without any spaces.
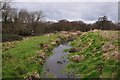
{"x":66,"y":0}
{"x":87,"y":11}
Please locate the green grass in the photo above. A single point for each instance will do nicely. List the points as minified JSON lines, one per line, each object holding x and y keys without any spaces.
{"x":21,"y":60}
{"x":94,"y":64}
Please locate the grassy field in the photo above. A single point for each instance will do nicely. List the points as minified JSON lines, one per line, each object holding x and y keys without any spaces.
{"x":95,"y":55}
{"x":22,"y":58}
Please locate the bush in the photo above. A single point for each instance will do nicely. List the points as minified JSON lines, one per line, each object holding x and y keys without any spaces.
{"x":11,"y":37}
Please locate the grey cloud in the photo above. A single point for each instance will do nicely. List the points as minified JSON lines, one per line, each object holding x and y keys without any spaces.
{"x":87,"y":11}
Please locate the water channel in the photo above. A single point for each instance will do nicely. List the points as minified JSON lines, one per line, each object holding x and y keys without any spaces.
{"x":56,"y":63}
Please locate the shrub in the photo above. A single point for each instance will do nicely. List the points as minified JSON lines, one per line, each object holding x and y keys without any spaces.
{"x":11,"y":37}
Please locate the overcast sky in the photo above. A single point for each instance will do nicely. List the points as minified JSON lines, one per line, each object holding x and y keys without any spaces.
{"x":86,"y":11}
{"x":66,"y":0}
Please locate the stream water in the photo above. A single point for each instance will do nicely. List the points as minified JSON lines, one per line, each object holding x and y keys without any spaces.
{"x":56,"y":63}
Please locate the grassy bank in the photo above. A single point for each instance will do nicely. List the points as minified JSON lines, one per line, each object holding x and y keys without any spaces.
{"x":95,"y":55}
{"x":25,"y":59}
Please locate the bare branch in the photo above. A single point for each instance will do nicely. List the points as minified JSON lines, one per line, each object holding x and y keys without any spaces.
{"x":4,"y":4}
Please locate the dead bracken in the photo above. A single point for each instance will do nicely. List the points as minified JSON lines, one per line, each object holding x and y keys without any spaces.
{"x":33,"y":76}
{"x":107,"y":47}
{"x":41,"y":54}
{"x":112,"y":55}
{"x":77,"y":58}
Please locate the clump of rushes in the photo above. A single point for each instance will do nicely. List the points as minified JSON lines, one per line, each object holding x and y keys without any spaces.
{"x":97,"y":58}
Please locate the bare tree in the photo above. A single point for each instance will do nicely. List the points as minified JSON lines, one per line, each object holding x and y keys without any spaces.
{"x":24,"y":16}
{"x":5,"y":13}
{"x":4,"y":4}
{"x":39,"y":15}
{"x":14,"y":13}
{"x":5,"y":7}
{"x":36,"y":16}
{"x":32,"y":17}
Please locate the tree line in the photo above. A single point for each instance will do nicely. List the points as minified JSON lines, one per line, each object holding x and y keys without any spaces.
{"x":26,"y":23}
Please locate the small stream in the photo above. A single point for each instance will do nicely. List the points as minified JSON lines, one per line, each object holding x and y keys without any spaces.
{"x":56,"y":63}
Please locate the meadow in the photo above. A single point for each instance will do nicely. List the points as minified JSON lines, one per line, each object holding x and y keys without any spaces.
{"x":95,"y":54}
